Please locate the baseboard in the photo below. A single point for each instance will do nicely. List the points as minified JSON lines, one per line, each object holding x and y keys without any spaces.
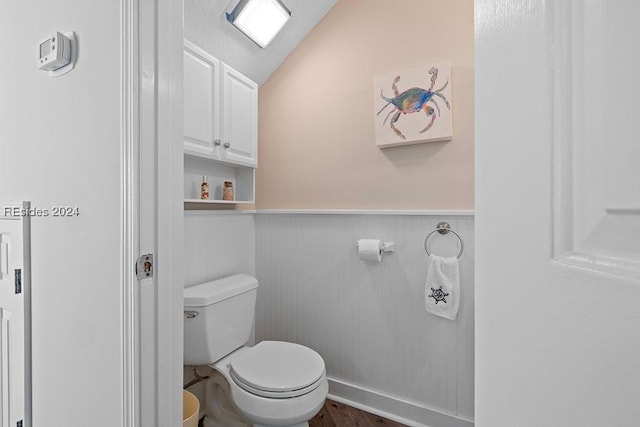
{"x":460,"y":213}
{"x":393,"y":408}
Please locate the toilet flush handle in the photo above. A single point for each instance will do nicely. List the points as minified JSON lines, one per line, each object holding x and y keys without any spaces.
{"x":190,"y":314}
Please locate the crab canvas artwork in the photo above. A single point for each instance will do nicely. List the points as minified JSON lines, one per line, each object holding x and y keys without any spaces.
{"x":413,"y":105}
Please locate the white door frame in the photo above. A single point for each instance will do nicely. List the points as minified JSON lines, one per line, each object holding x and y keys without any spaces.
{"x":129,"y":190}
{"x":169,"y":210}
{"x":152,"y":211}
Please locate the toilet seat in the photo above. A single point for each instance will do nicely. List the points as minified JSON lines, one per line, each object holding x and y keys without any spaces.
{"x":278,"y":370}
{"x":269,"y":411}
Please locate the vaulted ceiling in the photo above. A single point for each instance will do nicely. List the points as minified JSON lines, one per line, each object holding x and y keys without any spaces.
{"x":205,"y":25}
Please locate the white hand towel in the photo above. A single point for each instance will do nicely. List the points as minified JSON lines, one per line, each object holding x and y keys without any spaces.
{"x":442,"y":292}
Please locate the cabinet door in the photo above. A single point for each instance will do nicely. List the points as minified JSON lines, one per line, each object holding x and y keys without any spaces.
{"x":201,"y":102}
{"x":240,"y":118}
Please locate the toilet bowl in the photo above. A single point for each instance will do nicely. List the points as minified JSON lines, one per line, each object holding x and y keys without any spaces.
{"x":274,"y":383}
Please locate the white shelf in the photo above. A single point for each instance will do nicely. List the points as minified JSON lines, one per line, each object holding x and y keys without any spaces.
{"x":219,"y":202}
{"x":242,"y":177}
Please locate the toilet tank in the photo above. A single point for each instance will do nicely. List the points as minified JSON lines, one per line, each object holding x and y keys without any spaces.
{"x":218,"y":318}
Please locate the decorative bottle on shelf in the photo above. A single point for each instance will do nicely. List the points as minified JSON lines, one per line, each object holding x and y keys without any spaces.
{"x":227,"y":191}
{"x":204,"y":189}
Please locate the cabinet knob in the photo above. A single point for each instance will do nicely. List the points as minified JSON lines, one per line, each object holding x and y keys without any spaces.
{"x":227,"y":145}
{"x":216,"y":142}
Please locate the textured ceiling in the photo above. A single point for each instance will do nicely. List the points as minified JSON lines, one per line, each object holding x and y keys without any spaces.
{"x":205,"y":25}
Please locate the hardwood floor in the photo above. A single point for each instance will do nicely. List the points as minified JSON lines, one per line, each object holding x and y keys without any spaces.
{"x":334,"y":414}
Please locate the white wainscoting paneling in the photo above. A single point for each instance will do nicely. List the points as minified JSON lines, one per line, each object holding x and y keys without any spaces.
{"x":218,"y":244}
{"x":368,"y":321}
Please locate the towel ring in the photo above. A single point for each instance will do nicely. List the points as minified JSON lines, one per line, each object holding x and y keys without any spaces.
{"x":444,"y":228}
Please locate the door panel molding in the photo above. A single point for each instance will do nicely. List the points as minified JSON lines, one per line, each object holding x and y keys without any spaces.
{"x":5,"y":317}
{"x":15,"y":316}
{"x":596,"y":212}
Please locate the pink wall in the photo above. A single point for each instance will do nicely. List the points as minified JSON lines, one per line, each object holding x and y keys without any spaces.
{"x":316,"y":134}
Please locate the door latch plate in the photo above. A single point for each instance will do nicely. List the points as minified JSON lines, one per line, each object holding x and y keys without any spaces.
{"x":144,"y":266}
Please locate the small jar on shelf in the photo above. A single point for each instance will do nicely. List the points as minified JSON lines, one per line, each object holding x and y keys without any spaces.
{"x":227,"y":191}
{"x":204,"y":189}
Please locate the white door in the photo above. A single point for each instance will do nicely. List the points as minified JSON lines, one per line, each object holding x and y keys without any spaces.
{"x":240,"y":118}
{"x":15,"y":314}
{"x":558,"y":213}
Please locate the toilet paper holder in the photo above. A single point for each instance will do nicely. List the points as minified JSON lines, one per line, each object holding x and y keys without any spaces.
{"x":386,"y":246}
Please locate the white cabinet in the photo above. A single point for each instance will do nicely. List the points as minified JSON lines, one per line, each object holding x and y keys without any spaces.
{"x":201,"y":102}
{"x":220,"y":126}
{"x":220,"y":110}
{"x":239,"y":118}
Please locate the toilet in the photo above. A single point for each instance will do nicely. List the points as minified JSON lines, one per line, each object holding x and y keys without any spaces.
{"x":274,"y":383}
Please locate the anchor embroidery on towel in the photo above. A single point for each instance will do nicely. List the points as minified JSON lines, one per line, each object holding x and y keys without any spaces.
{"x":438,"y":295}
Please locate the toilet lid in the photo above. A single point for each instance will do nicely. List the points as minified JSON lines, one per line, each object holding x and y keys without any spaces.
{"x":278,"y":369}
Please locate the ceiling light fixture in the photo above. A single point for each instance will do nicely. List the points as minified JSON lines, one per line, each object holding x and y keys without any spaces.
{"x":260,"y":20}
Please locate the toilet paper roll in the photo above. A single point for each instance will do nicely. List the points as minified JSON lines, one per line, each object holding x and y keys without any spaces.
{"x":370,"y":250}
